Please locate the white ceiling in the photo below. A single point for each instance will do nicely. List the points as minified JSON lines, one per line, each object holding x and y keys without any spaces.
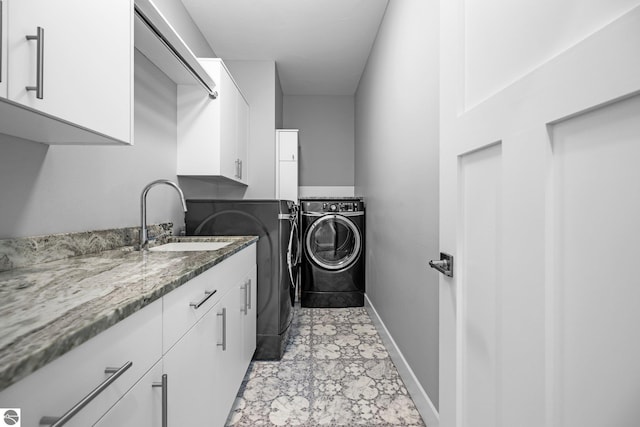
{"x":320,"y":46}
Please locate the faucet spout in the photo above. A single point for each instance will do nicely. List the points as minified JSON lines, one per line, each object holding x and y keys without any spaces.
{"x":144,"y":237}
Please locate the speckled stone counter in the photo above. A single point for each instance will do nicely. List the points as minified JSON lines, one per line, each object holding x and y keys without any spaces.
{"x":49,"y":308}
{"x":25,"y":251}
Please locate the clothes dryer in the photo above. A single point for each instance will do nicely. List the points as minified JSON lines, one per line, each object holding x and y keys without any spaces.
{"x":333,"y":244}
{"x":275,"y":222}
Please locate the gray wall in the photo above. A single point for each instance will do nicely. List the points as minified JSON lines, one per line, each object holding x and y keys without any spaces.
{"x":51,"y":189}
{"x":260,"y":84}
{"x":175,"y":12}
{"x":396,"y":170}
{"x":279,"y":102}
{"x":326,"y":138}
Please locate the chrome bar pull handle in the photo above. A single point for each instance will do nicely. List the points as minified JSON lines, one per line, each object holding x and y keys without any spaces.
{"x":165,"y":399}
{"x":244,"y":308}
{"x":240,"y":169}
{"x":224,"y":329}
{"x":39,"y":87}
{"x":60,"y":421}
{"x":207,"y":295}
{"x":249,"y":294}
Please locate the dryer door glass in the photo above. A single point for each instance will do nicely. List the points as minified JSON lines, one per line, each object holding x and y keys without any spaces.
{"x":333,"y":242}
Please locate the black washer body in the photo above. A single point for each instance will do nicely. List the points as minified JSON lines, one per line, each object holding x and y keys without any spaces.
{"x":333,"y":252}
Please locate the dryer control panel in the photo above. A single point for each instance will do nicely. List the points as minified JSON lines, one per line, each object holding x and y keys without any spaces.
{"x":329,"y":206}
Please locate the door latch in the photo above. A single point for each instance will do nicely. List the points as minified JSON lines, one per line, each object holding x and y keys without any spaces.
{"x":444,"y":265}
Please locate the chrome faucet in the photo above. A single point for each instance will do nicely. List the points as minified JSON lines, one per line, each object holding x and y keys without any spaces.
{"x":144,"y":237}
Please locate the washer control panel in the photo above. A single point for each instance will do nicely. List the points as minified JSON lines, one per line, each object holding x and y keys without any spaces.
{"x":330,"y":206}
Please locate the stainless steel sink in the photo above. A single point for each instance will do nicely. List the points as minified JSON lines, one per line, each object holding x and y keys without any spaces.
{"x":189,"y":246}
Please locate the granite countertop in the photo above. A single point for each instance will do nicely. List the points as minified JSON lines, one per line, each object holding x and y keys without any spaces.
{"x":48,"y":309}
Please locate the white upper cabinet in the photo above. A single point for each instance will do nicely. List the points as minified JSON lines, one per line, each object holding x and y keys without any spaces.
{"x":213,"y":134}
{"x":287,"y":164}
{"x":287,"y":145}
{"x":78,"y":58}
{"x":242,"y":124}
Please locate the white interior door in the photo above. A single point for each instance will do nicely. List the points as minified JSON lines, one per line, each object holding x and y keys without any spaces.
{"x":3,"y":48}
{"x":540,"y":205}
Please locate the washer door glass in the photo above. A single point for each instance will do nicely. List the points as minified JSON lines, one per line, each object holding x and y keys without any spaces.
{"x":333,"y":242}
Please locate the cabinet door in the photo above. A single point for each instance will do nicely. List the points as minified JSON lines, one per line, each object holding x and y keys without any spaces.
{"x":288,"y":181}
{"x":87,"y":67}
{"x":232,"y":365}
{"x":228,"y":98}
{"x":249,"y":319}
{"x":198,"y":130}
{"x":213,"y":134}
{"x":287,"y":145}
{"x":140,"y":407}
{"x":192,"y":367}
{"x":242,"y":124}
{"x":179,"y":315}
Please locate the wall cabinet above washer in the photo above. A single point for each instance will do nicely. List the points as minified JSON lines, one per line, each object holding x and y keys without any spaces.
{"x":67,"y":71}
{"x":213,"y":134}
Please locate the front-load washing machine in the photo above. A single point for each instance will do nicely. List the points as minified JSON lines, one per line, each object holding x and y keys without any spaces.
{"x":332,"y":268}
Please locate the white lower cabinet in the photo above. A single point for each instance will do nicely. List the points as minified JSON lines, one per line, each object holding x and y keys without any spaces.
{"x":206,"y":366}
{"x":54,"y":389}
{"x":191,"y":367}
{"x":213,"y":339}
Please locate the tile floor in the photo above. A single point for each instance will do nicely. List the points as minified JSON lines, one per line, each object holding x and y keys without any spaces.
{"x":335,"y":372}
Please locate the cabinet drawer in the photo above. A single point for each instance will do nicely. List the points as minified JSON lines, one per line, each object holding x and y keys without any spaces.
{"x":61,"y":384}
{"x":179,"y":315}
{"x":141,"y":406}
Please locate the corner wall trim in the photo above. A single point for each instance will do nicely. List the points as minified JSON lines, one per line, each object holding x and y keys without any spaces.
{"x":418,"y":394}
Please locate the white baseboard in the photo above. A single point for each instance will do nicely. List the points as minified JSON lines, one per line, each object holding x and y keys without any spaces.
{"x":326,"y":191}
{"x":418,"y":394}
